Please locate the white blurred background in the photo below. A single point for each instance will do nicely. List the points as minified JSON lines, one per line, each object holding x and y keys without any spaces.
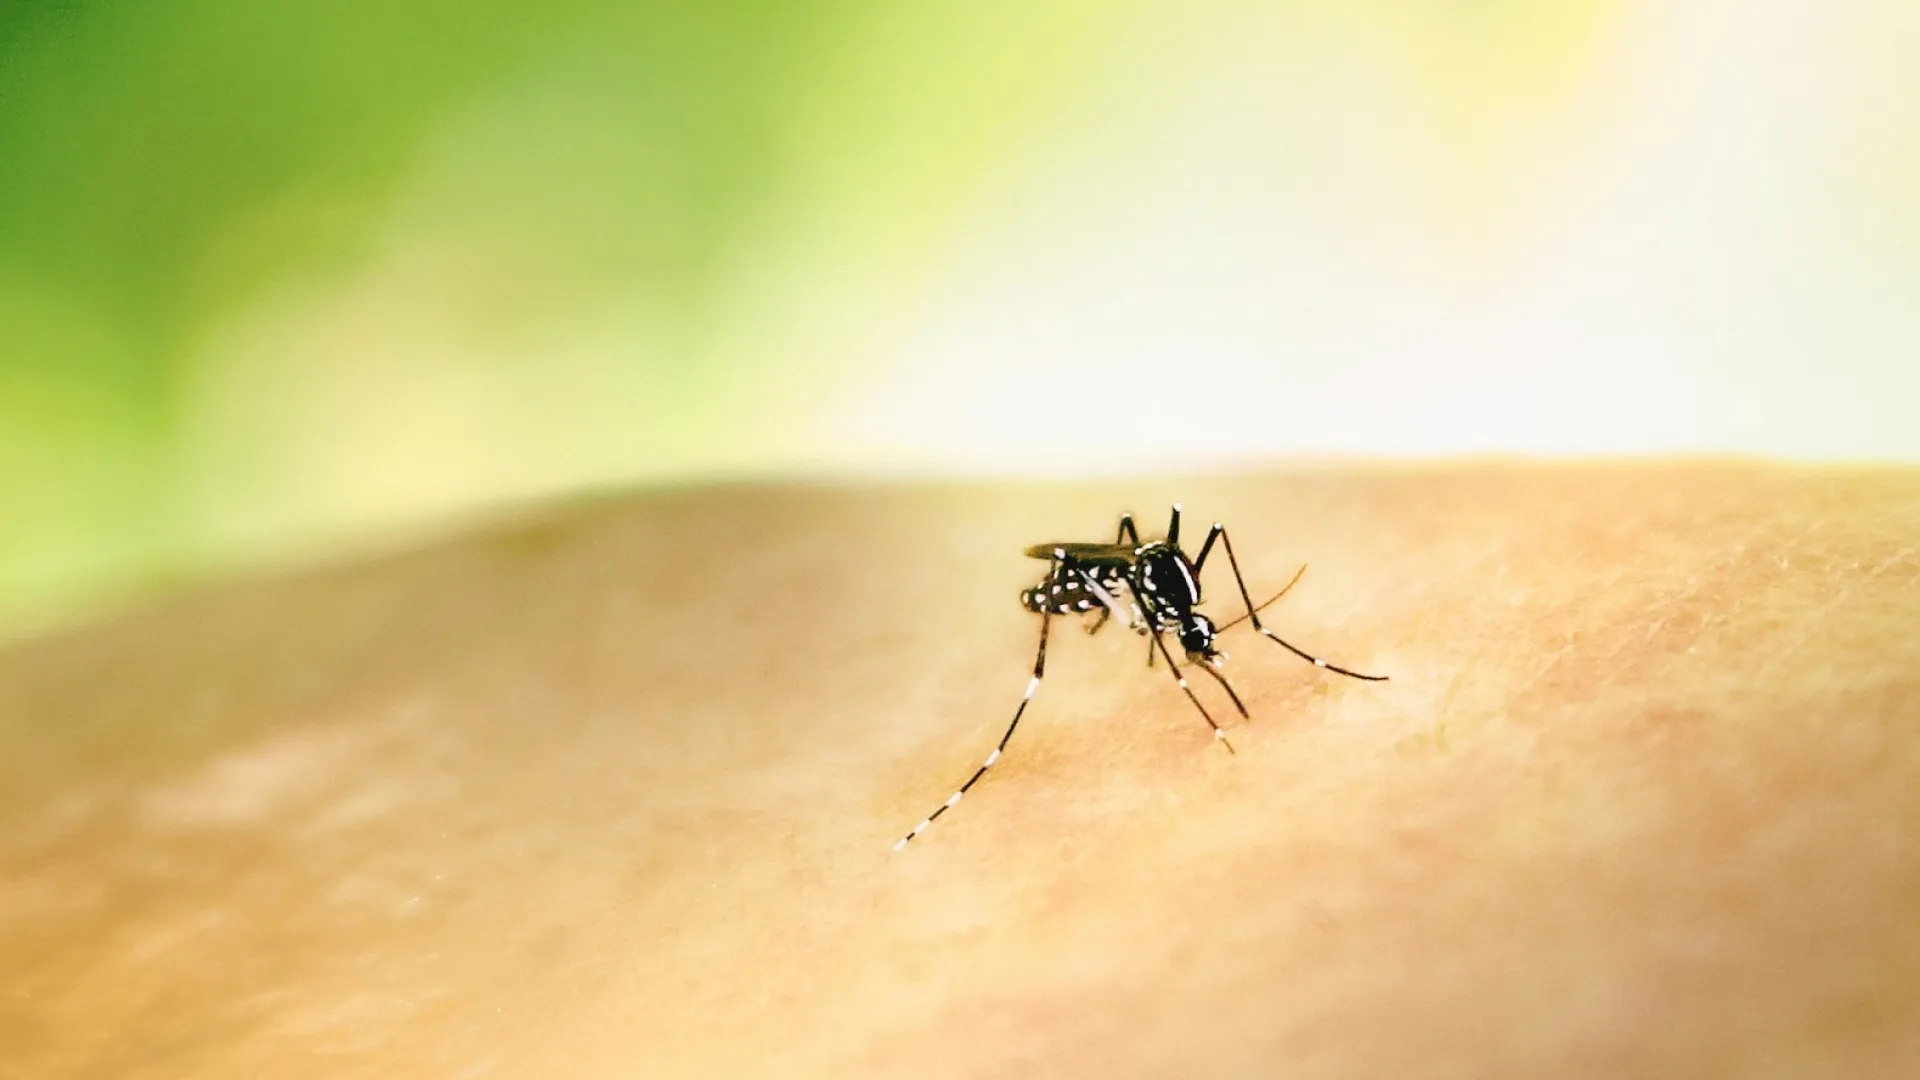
{"x":1483,"y":228}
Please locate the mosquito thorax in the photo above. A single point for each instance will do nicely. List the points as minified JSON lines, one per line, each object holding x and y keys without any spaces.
{"x":1166,"y":577}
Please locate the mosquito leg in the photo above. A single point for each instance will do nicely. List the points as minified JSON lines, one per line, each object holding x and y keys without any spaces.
{"x":1200,"y":560}
{"x":1188,"y":690}
{"x":1254,"y":614}
{"x":1105,"y":614}
{"x":1220,"y":677}
{"x":1033,"y":685}
{"x":1127,"y":534}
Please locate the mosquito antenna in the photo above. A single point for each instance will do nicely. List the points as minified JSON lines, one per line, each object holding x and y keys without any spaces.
{"x":1269,"y":602}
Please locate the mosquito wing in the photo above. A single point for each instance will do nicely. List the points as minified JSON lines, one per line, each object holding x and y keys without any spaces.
{"x":1085,"y":554}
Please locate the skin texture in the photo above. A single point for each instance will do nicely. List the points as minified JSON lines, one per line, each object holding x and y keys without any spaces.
{"x":611,"y":791}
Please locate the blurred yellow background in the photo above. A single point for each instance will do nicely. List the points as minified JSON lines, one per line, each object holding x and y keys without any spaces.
{"x":279,"y":277}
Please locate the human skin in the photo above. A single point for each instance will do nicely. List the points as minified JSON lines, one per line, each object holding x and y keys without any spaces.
{"x":612,"y":791}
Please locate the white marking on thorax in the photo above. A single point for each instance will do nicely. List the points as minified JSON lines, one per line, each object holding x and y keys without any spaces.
{"x":1193,"y":587}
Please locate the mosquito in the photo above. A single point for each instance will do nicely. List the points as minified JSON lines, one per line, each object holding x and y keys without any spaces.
{"x":1155,"y":587}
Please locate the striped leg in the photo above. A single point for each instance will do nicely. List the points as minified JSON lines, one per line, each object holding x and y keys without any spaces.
{"x":1220,"y":532}
{"x":1212,"y":667}
{"x":1204,"y":715}
{"x":1033,"y":686}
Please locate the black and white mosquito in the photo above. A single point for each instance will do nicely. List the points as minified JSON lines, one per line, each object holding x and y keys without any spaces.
{"x":1155,"y":587}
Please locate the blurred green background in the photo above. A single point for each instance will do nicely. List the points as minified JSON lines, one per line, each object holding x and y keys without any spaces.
{"x":279,"y":278}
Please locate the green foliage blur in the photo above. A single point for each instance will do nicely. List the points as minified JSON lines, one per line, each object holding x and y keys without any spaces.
{"x":170,"y":169}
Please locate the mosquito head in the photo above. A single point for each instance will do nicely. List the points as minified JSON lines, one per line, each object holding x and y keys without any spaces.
{"x":1196,"y":636}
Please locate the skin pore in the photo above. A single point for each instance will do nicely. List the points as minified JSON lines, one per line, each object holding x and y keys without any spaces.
{"x":613,"y":790}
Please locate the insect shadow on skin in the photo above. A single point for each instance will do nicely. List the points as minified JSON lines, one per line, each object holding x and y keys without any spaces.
{"x":1156,"y":588}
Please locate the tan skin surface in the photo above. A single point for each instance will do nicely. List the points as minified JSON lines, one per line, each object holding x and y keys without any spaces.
{"x":613,"y":793}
